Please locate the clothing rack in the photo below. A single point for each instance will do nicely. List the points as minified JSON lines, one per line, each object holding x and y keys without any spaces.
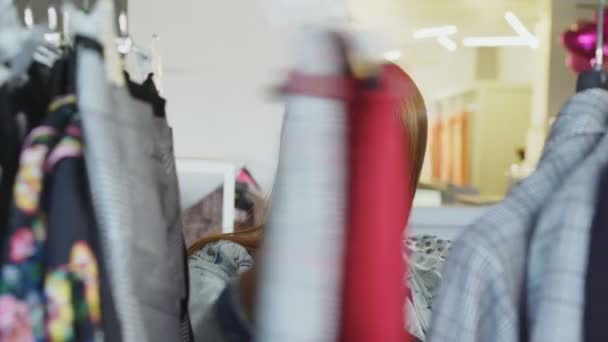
{"x":103,"y":191}
{"x":59,"y":16}
{"x":599,"y":46}
{"x":596,"y":78}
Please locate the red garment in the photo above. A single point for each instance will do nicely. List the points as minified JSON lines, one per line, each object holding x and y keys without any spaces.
{"x":379,"y":206}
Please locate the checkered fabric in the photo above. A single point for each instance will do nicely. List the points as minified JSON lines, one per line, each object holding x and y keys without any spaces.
{"x":559,"y":253}
{"x":479,"y":298}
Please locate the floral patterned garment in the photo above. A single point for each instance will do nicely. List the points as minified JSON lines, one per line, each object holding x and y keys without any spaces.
{"x":42,"y":302}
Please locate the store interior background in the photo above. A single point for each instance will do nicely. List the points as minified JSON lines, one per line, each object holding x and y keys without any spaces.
{"x":221,"y":60}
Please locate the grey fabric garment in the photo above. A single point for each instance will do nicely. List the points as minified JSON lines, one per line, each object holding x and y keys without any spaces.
{"x":211,"y":269}
{"x":108,"y":183}
{"x":559,"y":253}
{"x":215,"y":266}
{"x":130,"y":166}
{"x":480,"y":295}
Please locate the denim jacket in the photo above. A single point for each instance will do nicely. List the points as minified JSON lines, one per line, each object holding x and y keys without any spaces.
{"x":215,"y":309}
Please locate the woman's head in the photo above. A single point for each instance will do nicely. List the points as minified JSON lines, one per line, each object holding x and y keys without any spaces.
{"x":412,"y":115}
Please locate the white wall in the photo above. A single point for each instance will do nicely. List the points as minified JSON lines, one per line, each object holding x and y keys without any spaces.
{"x":221,"y":59}
{"x":445,"y":73}
{"x":517,"y":64}
{"x":454,"y":72}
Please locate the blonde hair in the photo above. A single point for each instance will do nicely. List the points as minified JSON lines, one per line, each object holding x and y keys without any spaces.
{"x":412,"y":114}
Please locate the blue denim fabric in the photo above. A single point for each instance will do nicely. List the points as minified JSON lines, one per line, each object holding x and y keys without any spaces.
{"x":215,"y":309}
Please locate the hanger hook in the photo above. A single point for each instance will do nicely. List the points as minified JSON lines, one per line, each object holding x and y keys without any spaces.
{"x":123,"y":24}
{"x":28,"y":16}
{"x":599,"y":48}
{"x":52,"y":16}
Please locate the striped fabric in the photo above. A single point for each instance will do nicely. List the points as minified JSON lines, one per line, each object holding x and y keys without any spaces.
{"x":302,"y":257}
{"x":109,"y":188}
{"x":479,"y":298}
{"x":129,"y":159}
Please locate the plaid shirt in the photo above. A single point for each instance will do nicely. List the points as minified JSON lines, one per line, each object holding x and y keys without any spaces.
{"x":480,"y":296}
{"x":559,"y":254}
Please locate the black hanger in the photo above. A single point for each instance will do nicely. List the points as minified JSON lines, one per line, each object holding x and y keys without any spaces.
{"x":596,"y":78}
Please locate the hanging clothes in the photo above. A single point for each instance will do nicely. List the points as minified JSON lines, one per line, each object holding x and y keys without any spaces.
{"x":559,"y":252}
{"x":72,"y":248}
{"x":303,"y":240}
{"x":135,"y":195}
{"x":9,"y":158}
{"x":147,"y":92}
{"x":95,"y":203}
{"x":71,"y":219}
{"x":596,"y":281}
{"x":380,"y":201}
{"x":51,"y":272}
{"x":22,"y":274}
{"x":484,"y":275}
{"x":22,"y":107}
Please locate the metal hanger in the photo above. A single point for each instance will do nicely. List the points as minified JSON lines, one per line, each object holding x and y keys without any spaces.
{"x":53,"y":36}
{"x":157,"y":63}
{"x":136,"y":60}
{"x":125,"y":43}
{"x":28,"y":16}
{"x":596,"y":78}
{"x":17,"y":44}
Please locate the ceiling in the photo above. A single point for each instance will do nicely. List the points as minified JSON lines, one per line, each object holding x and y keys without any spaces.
{"x":39,"y":8}
{"x":400,"y":18}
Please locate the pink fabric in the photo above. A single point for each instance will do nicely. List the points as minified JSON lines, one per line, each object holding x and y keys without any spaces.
{"x":326,"y":86}
{"x":245,"y":177}
{"x":379,"y":206}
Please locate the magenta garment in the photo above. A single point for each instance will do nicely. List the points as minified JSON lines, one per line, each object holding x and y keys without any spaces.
{"x":379,"y":206}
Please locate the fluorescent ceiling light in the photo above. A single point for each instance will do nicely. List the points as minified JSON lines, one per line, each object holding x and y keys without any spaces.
{"x":432,"y":32}
{"x":523,"y":37}
{"x":392,"y":55}
{"x":521,"y":30}
{"x":495,"y":41}
{"x":447,"y":43}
